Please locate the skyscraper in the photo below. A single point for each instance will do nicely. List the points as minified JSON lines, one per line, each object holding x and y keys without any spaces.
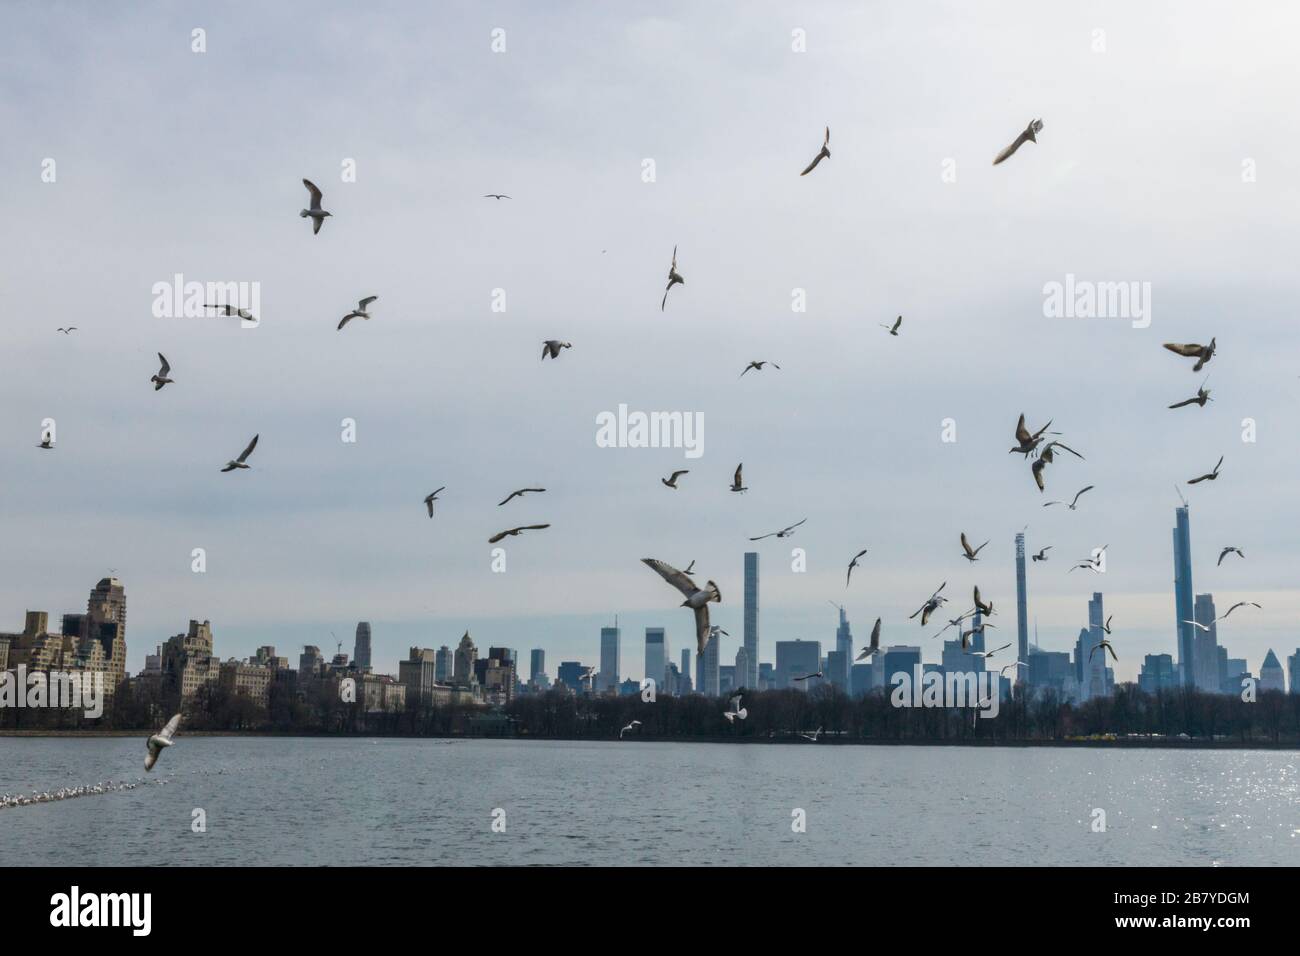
{"x":710,"y":677}
{"x":609,"y":658}
{"x":1095,"y":662}
{"x":1183,"y":609}
{"x":1205,"y":646}
{"x":444,"y":663}
{"x":1270,"y":673}
{"x":536,"y":663}
{"x":1022,"y":606}
{"x":106,"y":627}
{"x":361,"y":649}
{"x":796,"y":659}
{"x":686,"y":667}
{"x":1293,"y":671}
{"x":466,"y":655}
{"x":751,"y":619}
{"x":839,"y":666}
{"x":656,"y":655}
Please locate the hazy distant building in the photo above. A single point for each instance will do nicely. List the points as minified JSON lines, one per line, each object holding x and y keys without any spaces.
{"x":1158,"y":673}
{"x":686,"y":670}
{"x":726,"y":679}
{"x":741,"y":668}
{"x":310,"y":662}
{"x":1205,"y":646}
{"x":1270,"y":673}
{"x":1051,"y":669}
{"x":750,"y":637}
{"x":536,"y":665}
{"x":610,"y":640}
{"x":710,"y":677}
{"x":1022,"y":609}
{"x":797,"y":659}
{"x":188,"y":662}
{"x":1184,"y":611}
{"x":570,"y":675}
{"x":1095,"y":662}
{"x":361,"y":648}
{"x":656,"y":656}
{"x":463,"y":662}
{"x":904,"y":659}
{"x":838,"y":667}
{"x":246,"y":678}
{"x":444,"y":665}
{"x":1234,"y":670}
{"x":1292,"y":664}
{"x":496,"y":675}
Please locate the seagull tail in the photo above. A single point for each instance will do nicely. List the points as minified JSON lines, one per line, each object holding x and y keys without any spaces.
{"x":714,"y":593}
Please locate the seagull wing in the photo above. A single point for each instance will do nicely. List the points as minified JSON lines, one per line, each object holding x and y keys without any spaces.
{"x":365,"y":303}
{"x":1081,"y":491}
{"x":678,"y":579}
{"x":965,"y":545}
{"x":162,"y":372}
{"x":169,"y":731}
{"x":243,"y":456}
{"x":1187,"y":350}
{"x":1022,"y":433}
{"x":737,"y":481}
{"x":315,"y":193}
{"x":813,"y":165}
{"x":346,"y":319}
{"x":795,"y":525}
{"x":701,"y":625}
{"x":1010,"y":150}
{"x":152,"y":757}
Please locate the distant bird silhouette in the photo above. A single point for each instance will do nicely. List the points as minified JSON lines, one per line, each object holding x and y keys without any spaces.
{"x":1202,"y":353}
{"x":824,"y":154}
{"x":70,"y":328}
{"x":690,"y":567}
{"x":930,"y":605}
{"x":1106,"y":627}
{"x":1202,"y":396}
{"x":513,"y":532}
{"x":987,"y":654}
{"x":431,"y":498}
{"x":816,"y":733}
{"x":758,"y":367}
{"x":893,"y":329}
{"x":1026,"y":441}
{"x":873,"y":645}
{"x":633,"y":724}
{"x":504,"y":196}
{"x":1029,"y":135}
{"x":969,"y":553}
{"x":243,"y":456}
{"x":1103,"y":646}
{"x":737,"y":482}
{"x":1211,"y":476}
{"x":697,"y":598}
{"x":986,"y":610}
{"x":853,"y":564}
{"x":671,"y":480}
{"x":1227,"y":551}
{"x":1074,"y":503}
{"x":315,"y":213}
{"x":518,"y":494}
{"x":161,"y":378}
{"x":968,"y":634}
{"x":808,"y":676}
{"x":783,"y":533}
{"x":362,"y":311}
{"x":552,"y":348}
{"x":674,"y":278}
{"x":233,"y":310}
{"x":47,"y":443}
{"x":1042,"y":554}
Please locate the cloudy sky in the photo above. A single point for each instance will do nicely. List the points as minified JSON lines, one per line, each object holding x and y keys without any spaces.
{"x":170,"y":161}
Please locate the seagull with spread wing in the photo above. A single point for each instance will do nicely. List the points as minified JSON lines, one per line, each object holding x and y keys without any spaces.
{"x":164,"y":738}
{"x":316,"y":214}
{"x":552,"y":348}
{"x":824,"y":154}
{"x":674,"y":278}
{"x":969,"y":553}
{"x":1211,"y":476}
{"x":243,"y":456}
{"x":1227,"y":551}
{"x":697,"y":598}
{"x":513,"y":532}
{"x":930,"y":605}
{"x":783,"y":533}
{"x":1042,"y":554}
{"x":161,"y":378}
{"x":1224,"y":615}
{"x":737,"y":482}
{"x":1074,"y":503}
{"x":1202,"y":396}
{"x":431,"y":498}
{"x":671,"y":480}
{"x":1028,"y":135}
{"x":1202,"y":353}
{"x":758,"y":367}
{"x":518,"y":494}
{"x":362,"y":311}
{"x":853,"y":564}
{"x":893,"y":329}
{"x":873,"y":646}
{"x":734,"y":711}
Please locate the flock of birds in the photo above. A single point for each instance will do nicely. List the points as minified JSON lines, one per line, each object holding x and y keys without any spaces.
{"x":1042,"y":446}
{"x":71,"y":793}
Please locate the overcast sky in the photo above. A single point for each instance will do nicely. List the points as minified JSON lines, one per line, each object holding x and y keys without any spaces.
{"x":170,"y":161}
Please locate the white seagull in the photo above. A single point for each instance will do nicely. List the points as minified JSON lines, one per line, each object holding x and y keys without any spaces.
{"x":734,"y":711}
{"x":243,"y":456}
{"x":697,"y":598}
{"x":1224,"y":615}
{"x":315,"y":213}
{"x":362,"y":311}
{"x":635,"y":723}
{"x":874,"y":645}
{"x":162,"y":739}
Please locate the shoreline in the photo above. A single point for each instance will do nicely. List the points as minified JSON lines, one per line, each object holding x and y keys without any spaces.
{"x":1125,"y":743}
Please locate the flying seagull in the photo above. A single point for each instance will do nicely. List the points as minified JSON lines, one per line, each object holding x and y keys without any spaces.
{"x":691,"y":567}
{"x":1092,"y":564}
{"x":70,"y":328}
{"x":1029,"y":135}
{"x":873,"y":646}
{"x":671,"y":480}
{"x":928,"y":608}
{"x":519,"y":493}
{"x":783,"y":533}
{"x":734,"y":711}
{"x":814,"y":735}
{"x":1227,"y":551}
{"x":987,"y":654}
{"x":970,"y":553}
{"x":893,"y":329}
{"x":758,"y":366}
{"x":635,"y":723}
{"x":853,"y":564}
{"x":1042,"y":555}
{"x":362,"y":311}
{"x":431,"y":498}
{"x":955,"y":622}
{"x":552,"y":348}
{"x":1073,"y":503}
{"x":1106,"y":627}
{"x":1202,"y":396}
{"x":809,"y":676}
{"x":714,"y":630}
{"x":1104,"y":646}
{"x":233,"y":310}
{"x":697,"y":598}
{"x":1209,"y":477}
{"x":1007,"y":667}
{"x":1224,"y":615}
{"x":986,"y":610}
{"x":674,"y":278}
{"x":504,"y":196}
{"x":1026,"y":441}
{"x":161,"y":378}
{"x":315,"y":213}
{"x":515,"y":531}
{"x":164,"y":738}
{"x":824,"y":154}
{"x":737,"y":482}
{"x":1202,"y":353}
{"x":243,"y":456}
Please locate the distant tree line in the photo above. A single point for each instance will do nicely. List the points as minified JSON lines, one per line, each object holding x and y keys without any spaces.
{"x":1032,"y":715}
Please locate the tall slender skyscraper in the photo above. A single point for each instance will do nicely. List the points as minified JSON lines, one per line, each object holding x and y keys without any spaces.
{"x":656,"y":655}
{"x":751,"y":620}
{"x":686,"y":668}
{"x":536,"y":663}
{"x":844,"y":646}
{"x":1205,"y":647}
{"x":1022,"y":608}
{"x":710,"y":677}
{"x":361,"y":649}
{"x":609,"y":654}
{"x":1183,"y":608}
{"x":1095,"y":662}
